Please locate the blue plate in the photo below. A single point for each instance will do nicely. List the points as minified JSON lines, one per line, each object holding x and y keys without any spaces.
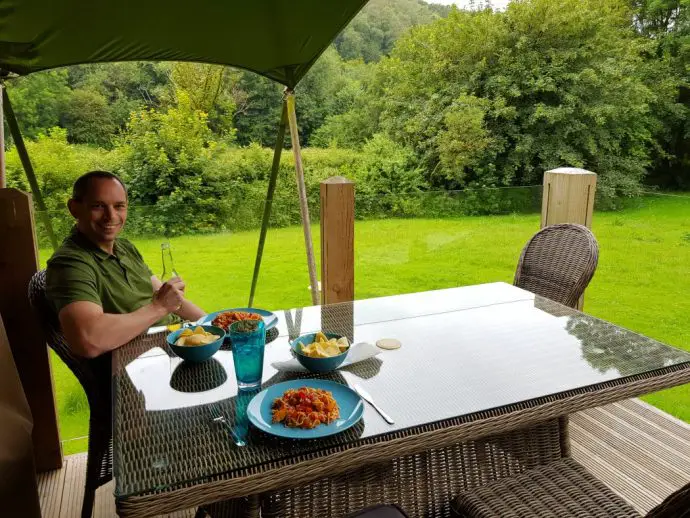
{"x":270,"y":319}
{"x":350,"y":404}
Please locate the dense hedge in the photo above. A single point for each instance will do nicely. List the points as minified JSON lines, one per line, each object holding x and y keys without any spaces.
{"x":224,"y":187}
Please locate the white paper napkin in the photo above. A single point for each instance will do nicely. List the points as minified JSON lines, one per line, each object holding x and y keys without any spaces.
{"x":358,"y":353}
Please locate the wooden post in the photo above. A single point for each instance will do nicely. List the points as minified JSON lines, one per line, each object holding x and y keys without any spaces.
{"x":3,"y":178}
{"x":568,"y":197}
{"x":18,"y":488}
{"x":302,"y":192}
{"x":337,"y":240}
{"x":18,"y":263}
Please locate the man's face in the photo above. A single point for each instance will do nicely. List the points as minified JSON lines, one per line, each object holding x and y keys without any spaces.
{"x":103,"y":211}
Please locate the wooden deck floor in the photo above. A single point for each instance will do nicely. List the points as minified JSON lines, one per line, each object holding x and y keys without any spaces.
{"x":640,"y":452}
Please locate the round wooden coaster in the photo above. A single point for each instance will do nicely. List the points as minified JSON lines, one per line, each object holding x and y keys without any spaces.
{"x":388,"y":343}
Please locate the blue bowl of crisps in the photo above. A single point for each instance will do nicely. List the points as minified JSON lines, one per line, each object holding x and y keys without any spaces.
{"x":197,"y":343}
{"x":320,"y":352}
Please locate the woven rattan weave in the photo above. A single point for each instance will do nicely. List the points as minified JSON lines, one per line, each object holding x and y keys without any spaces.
{"x":558,"y":263}
{"x":561,"y":489}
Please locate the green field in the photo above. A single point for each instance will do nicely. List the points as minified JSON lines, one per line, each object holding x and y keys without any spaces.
{"x":642,"y":283}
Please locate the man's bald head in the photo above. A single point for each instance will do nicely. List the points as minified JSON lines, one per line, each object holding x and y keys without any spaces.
{"x":81,"y":186}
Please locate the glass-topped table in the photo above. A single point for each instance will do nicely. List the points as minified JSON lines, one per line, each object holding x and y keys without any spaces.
{"x":474,"y":361}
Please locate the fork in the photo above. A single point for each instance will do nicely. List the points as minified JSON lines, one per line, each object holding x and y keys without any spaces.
{"x":218,"y":417}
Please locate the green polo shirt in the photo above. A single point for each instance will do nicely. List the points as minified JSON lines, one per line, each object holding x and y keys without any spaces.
{"x":80,"y":270}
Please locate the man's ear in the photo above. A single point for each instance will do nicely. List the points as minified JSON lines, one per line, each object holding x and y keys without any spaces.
{"x":73,"y":206}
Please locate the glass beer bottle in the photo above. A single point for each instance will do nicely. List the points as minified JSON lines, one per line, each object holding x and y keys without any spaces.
{"x":168,"y":273}
{"x":168,"y":267}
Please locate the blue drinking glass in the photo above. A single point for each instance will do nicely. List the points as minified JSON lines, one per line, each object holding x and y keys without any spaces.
{"x":248,"y":339}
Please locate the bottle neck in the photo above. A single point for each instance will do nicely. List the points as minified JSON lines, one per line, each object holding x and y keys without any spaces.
{"x":168,"y":267}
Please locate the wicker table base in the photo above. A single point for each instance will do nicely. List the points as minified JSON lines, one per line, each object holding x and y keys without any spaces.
{"x":422,"y":484}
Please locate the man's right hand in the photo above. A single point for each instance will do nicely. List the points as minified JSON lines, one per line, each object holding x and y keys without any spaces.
{"x":170,"y":295}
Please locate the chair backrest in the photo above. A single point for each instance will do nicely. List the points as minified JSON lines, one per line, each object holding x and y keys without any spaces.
{"x":558,"y":263}
{"x":93,"y":374}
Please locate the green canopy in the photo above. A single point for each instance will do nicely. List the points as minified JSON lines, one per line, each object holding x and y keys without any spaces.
{"x":278,"y":39}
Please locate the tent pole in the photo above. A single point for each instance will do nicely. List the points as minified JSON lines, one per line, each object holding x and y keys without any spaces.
{"x":280,"y":140}
{"x":302,"y":191}
{"x":28,"y":168}
{"x":3,"y":180}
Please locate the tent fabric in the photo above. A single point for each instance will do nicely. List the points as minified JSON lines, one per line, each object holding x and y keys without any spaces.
{"x":278,"y":39}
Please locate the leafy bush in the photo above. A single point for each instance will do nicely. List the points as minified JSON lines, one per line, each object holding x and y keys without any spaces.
{"x":386,"y":177}
{"x":246,"y":172}
{"x":194,"y":184}
{"x":165,"y":158}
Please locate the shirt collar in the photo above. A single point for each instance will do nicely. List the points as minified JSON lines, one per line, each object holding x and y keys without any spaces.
{"x":92,"y":247}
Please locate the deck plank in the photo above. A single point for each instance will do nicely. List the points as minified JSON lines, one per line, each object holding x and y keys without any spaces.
{"x":73,"y":493}
{"x":50,"y":488}
{"x":667,"y":464}
{"x":652,"y":414}
{"x":104,"y":506}
{"x":640,"y":452}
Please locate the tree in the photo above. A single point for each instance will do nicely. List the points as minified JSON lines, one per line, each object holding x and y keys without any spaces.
{"x":545,"y":84}
{"x":353,"y":116}
{"x":666,"y":25}
{"x":318,"y":93}
{"x":210,"y":89}
{"x":374,"y":31}
{"x":318,"y":96}
{"x":88,"y":119}
{"x":258,"y":112}
{"x":655,"y":18}
{"x":142,"y":83}
{"x":38,"y":100}
{"x":126,"y":87}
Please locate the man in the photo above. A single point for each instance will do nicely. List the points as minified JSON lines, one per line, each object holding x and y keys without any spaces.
{"x":103,"y":292}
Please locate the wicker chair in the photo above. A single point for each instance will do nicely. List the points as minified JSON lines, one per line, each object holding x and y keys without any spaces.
{"x":677,"y":505}
{"x":562,"y":489}
{"x":380,"y":511}
{"x":95,"y":377}
{"x":558,"y":263}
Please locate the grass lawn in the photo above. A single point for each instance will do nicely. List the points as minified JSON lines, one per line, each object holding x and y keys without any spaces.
{"x":642,"y":282}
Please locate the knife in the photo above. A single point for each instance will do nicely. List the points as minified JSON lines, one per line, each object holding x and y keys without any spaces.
{"x":367,"y":397}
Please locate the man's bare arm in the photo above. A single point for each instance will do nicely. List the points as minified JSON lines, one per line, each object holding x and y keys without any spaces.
{"x":188,"y":310}
{"x":91,"y":332}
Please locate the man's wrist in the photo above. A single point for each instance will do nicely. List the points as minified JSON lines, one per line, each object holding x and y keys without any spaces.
{"x":159,"y":308}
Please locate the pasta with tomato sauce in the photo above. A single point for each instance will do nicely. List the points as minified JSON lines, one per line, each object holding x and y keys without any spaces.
{"x":225,"y":320}
{"x":305,"y":408}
